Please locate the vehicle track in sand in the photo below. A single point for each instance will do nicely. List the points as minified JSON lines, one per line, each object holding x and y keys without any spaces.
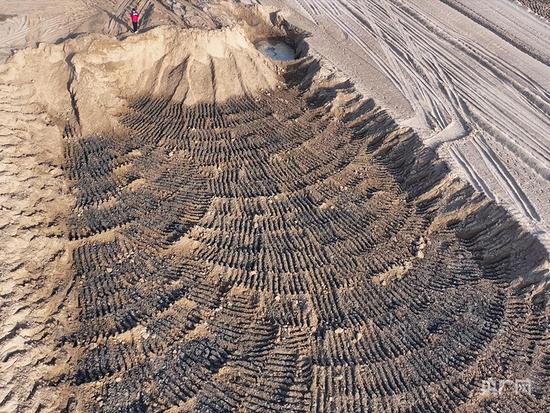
{"x":460,"y":87}
{"x":21,"y":30}
{"x":259,"y":255}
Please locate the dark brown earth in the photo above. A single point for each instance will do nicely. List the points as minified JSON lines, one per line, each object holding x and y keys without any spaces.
{"x":264,"y":255}
{"x":541,"y":7}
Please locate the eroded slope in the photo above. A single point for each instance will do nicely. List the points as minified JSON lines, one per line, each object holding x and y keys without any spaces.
{"x":264,"y":245}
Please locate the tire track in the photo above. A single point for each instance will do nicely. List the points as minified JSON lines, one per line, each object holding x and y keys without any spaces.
{"x":474,"y":178}
{"x":501,"y":31}
{"x":274,"y":259}
{"x":48,"y":28}
{"x":451,"y":81}
{"x":506,"y":180}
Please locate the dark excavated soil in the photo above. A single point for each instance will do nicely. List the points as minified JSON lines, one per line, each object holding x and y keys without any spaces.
{"x":260,"y":255}
{"x":541,"y":7}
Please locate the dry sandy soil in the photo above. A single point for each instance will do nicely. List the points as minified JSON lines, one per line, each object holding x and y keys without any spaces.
{"x":189,"y":226}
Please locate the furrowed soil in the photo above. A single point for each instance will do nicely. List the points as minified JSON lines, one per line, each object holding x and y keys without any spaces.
{"x":260,"y":256}
{"x":258,"y":238}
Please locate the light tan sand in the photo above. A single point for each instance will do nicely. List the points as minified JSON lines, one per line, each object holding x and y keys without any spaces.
{"x":35,"y":280}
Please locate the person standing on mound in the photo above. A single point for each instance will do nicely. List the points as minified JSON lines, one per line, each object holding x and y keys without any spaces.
{"x":134,"y":15}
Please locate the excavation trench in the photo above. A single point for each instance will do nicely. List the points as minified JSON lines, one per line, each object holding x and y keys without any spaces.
{"x":283,"y":247}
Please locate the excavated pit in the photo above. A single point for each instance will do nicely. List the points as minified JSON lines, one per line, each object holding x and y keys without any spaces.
{"x":287,"y":249}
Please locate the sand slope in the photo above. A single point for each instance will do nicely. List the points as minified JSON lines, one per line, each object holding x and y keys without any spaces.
{"x":35,"y":279}
{"x":81,"y":85}
{"x":477,"y":89}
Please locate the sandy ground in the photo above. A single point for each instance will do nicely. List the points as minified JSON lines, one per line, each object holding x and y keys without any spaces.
{"x":35,"y":279}
{"x":472,"y":77}
{"x":217,"y":232}
{"x":37,"y":107}
{"x":27,"y":23}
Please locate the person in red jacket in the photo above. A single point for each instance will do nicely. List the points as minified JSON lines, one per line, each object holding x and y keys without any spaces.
{"x":134,"y":15}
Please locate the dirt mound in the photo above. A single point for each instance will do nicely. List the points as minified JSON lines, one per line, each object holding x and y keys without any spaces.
{"x":99,"y":73}
{"x":83,"y":84}
{"x":241,"y":241}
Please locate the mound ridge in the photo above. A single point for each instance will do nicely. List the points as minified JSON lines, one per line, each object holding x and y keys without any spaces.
{"x":274,"y":244}
{"x":98,"y":73}
{"x":190,"y":66}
